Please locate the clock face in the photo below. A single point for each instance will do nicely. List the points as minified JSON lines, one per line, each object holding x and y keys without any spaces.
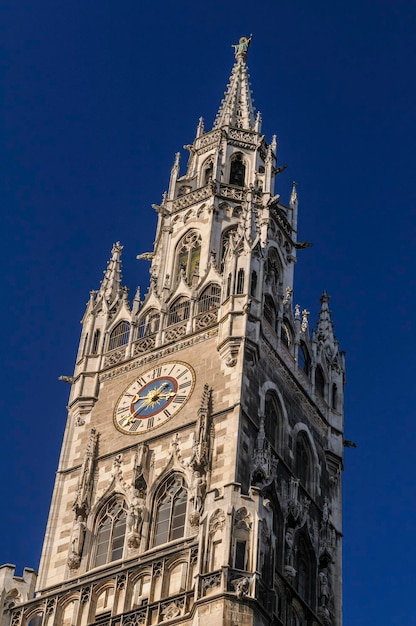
{"x":154,"y":397}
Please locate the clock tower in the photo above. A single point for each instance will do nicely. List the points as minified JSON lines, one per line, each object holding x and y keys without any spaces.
{"x":200,"y":475}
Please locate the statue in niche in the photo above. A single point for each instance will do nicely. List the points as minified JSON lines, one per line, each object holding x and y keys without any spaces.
{"x":77,"y":543}
{"x":135,"y":519}
{"x":198,"y":490}
{"x":323,"y":587}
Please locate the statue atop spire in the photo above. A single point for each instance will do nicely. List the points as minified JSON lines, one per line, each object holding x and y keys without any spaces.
{"x":237,"y":108}
{"x":241,"y":48}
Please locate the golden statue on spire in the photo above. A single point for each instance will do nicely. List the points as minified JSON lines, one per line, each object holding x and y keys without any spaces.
{"x":241,"y":48}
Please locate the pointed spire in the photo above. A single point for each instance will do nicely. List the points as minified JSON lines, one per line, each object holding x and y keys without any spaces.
{"x":325,"y":331}
{"x":111,"y":283}
{"x":237,"y":106}
{"x":200,"y":128}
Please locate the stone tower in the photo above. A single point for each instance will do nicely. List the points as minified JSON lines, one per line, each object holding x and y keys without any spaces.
{"x":200,"y":474}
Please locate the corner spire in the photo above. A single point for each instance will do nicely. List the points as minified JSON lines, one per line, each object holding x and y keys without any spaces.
{"x":237,"y":105}
{"x":111,"y":283}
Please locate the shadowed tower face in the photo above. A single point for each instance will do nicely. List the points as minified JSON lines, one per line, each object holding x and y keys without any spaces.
{"x":200,"y":473}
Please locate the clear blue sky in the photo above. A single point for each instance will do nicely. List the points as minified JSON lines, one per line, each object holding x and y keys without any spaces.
{"x":96,"y":97}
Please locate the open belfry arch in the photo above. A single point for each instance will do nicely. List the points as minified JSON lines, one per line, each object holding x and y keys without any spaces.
{"x":200,"y":474}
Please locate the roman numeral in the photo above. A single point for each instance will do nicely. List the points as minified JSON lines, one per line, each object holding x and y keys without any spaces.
{"x":135,"y":425}
{"x":129,"y":395}
{"x":122,"y":409}
{"x":182,"y":374}
{"x":167,"y":413}
{"x":141,"y":381}
{"x":150,"y":422}
{"x":179,"y":399}
{"x":157,"y":372}
{"x":185,"y":384}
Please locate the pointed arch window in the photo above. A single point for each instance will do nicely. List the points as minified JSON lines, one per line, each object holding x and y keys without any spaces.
{"x":305,"y":568}
{"x":303,"y":460}
{"x":273,"y":267}
{"x":207,"y":171}
{"x":237,"y":170}
{"x":96,"y":342}
{"x":304,"y":359}
{"x":320,"y":381}
{"x":240,"y":281}
{"x":269,"y":311}
{"x":272,"y":420}
{"x":170,"y":511}
{"x":253,"y":284}
{"x":119,"y":335}
{"x":285,"y":334}
{"x":210,"y":298}
{"x":149,"y":323}
{"x":179,"y":311}
{"x":111,"y":530}
{"x":188,"y":256}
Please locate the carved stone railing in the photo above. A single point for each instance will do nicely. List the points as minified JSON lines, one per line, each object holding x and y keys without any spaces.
{"x":243,"y":138}
{"x":192,"y":197}
{"x":210,"y":582}
{"x":207,"y":139}
{"x":233,"y":193}
{"x":206,"y":319}
{"x":144,"y":344}
{"x":115,"y":356}
{"x":175,"y":332}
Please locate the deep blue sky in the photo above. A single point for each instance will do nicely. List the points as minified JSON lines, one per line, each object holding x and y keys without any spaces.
{"x":96,"y":97}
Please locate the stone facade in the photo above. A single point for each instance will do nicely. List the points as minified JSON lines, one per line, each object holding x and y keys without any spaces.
{"x":200,"y":473}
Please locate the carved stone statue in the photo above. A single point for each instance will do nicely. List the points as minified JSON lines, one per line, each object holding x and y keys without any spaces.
{"x":135,"y":514}
{"x":77,"y":543}
{"x":323,"y":587}
{"x":241,"y":48}
{"x":198,"y":490}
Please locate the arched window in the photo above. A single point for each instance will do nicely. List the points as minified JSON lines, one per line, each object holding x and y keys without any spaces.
{"x":303,"y":460}
{"x":188,"y":256}
{"x":334,"y":398}
{"x":228,"y":285}
{"x":84,"y":347}
{"x":210,"y":298}
{"x":240,"y":281}
{"x":272,"y":420}
{"x":179,"y":311}
{"x":253,"y":284}
{"x":170,"y":511}
{"x":119,"y":335}
{"x":285,"y":334}
{"x":96,"y":342}
{"x":237,"y":170}
{"x":207,"y":172}
{"x":111,"y":529}
{"x":305,"y":577}
{"x":320,"y":381}
{"x":149,"y":323}
{"x":304,"y":359}
{"x":269,"y":311}
{"x":273,"y":268}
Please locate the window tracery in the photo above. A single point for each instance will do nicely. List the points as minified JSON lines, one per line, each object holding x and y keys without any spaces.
{"x":119,"y":335}
{"x":188,"y":256}
{"x":237,"y":170}
{"x":170,"y":511}
{"x":210,"y":298}
{"x":179,"y":311}
{"x":149,"y":323}
{"x":110,"y":533}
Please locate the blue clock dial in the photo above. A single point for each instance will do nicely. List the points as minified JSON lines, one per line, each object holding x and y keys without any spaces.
{"x":154,"y":397}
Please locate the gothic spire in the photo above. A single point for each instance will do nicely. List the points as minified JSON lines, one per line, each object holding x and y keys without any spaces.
{"x":111,"y":284}
{"x":325,"y":331}
{"x":237,"y":108}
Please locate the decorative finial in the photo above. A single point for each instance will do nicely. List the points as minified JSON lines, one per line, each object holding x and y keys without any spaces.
{"x":241,"y":48}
